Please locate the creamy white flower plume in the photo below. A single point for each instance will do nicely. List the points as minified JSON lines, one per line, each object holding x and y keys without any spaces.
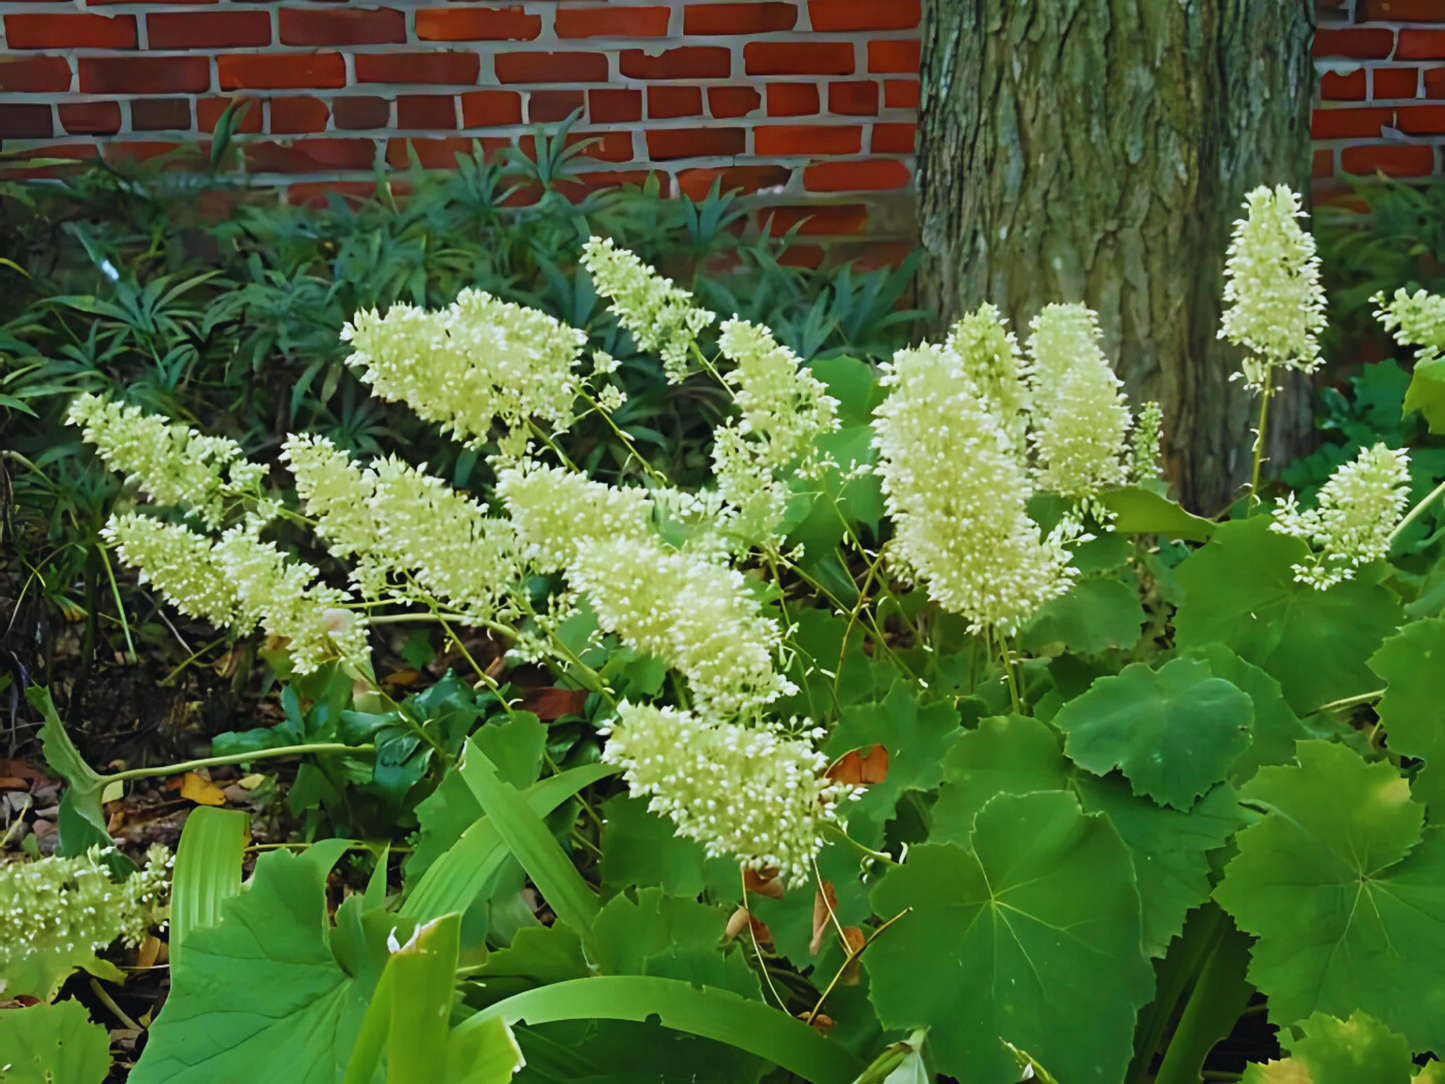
{"x":172,"y":463}
{"x":991,"y":358}
{"x":177,"y":562}
{"x":746,"y":792}
{"x":957,"y":494}
{"x":1416,"y":319}
{"x":1274,"y":303}
{"x":1080,"y":424}
{"x":1145,"y":443}
{"x":660,"y":315}
{"x":553,"y":509}
{"x":1355,"y":514}
{"x":337,"y":493}
{"x":694,"y":614}
{"x":476,"y":361}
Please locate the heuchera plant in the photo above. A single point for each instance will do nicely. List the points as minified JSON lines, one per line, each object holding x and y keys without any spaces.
{"x":946,"y":742}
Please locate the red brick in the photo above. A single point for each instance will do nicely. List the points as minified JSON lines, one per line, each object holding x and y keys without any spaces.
{"x":696,"y":183}
{"x":873,"y":255}
{"x":310,"y":155}
{"x":70,"y":31}
{"x":551,"y":67}
{"x":614,"y":106}
{"x":1401,"y":11}
{"x":595,"y":180}
{"x":815,"y":221}
{"x":209,"y":110}
{"x":603,"y":146}
{"x":1394,"y":160}
{"x":687,"y":62}
{"x":612,"y":22}
{"x":144,"y":74}
{"x":26,"y":121}
{"x":319,"y":193}
{"x":900,"y":93}
{"x":1434,"y":82}
{"x":893,"y":56}
{"x":426,"y":111}
{"x":856,"y":99}
{"x":802,"y":256}
{"x":1420,"y":45}
{"x":355,"y":113}
{"x":454,"y":68}
{"x":140,"y":150}
{"x":341,"y":26}
{"x":440,"y":153}
{"x":90,"y":118}
{"x":834,"y":15}
{"x":1421,"y":119}
{"x":160,"y":114}
{"x":1362,"y":43}
{"x":1343,"y":88}
{"x":550,"y":106}
{"x":873,"y":174}
{"x":799,"y":139}
{"x":895,"y":138}
{"x":34,"y":74}
{"x":488,"y":108}
{"x":477,"y":24}
{"x":793,"y":100}
{"x":1323,"y":164}
{"x":1395,"y":83}
{"x":756,"y":18}
{"x":698,"y":142}
{"x":1350,"y":123}
{"x":208,"y":29}
{"x":733,"y":101}
{"x":298,"y":114}
{"x":278,"y":71}
{"x":674,"y":101}
{"x":798,"y":57}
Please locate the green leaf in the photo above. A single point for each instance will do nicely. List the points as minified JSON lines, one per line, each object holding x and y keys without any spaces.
{"x":488,"y":1054}
{"x":671,"y":936}
{"x":1276,"y":727}
{"x":1031,"y":937}
{"x":641,"y":849}
{"x":1015,"y":755}
{"x":207,"y":871}
{"x":82,"y":821}
{"x":1342,"y":890}
{"x":455,"y":880}
{"x":52,"y":1044}
{"x":917,"y":737}
{"x":1359,"y":1050}
{"x":261,"y":995}
{"x":1172,"y":732}
{"x":1427,"y":393}
{"x":1240,"y":591}
{"x":531,"y":842}
{"x":1143,"y":511}
{"x":752,"y":1026}
{"x":1097,"y":614}
{"x":1413,"y":709}
{"x":515,"y":748}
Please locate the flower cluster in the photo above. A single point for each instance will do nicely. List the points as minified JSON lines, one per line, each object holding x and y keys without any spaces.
{"x":660,"y":315}
{"x":172,"y":463}
{"x":694,"y":614}
{"x":746,"y":792}
{"x":1275,"y":305}
{"x":553,"y":509}
{"x":1145,"y":443}
{"x":58,"y":912}
{"x":1354,"y":517}
{"x":1416,"y":319}
{"x":992,"y":360}
{"x":478,"y":360}
{"x":1080,"y":421}
{"x":957,"y":492}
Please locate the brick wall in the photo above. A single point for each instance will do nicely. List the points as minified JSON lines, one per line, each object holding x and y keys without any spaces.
{"x":811,"y":101}
{"x":1382,"y":87}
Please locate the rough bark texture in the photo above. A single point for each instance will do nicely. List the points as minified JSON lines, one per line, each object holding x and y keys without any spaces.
{"x":1098,"y":151}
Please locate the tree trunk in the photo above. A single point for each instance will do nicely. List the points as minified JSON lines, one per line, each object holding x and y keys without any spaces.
{"x":1099,"y":151}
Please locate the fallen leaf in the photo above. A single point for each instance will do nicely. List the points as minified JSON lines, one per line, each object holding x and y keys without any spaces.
{"x":853,"y":938}
{"x":252,"y":781}
{"x":739,"y":922}
{"x":19,"y":768}
{"x":10,"y":782}
{"x":822,"y":1022}
{"x":202,"y":791}
{"x":764,"y":883}
{"x":552,"y":703}
{"x":821,"y":919}
{"x":403,"y":677}
{"x":861,"y":767}
{"x":148,"y":952}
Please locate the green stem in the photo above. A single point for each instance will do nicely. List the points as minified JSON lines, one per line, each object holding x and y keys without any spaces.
{"x":406,"y":619}
{"x":652,"y":472}
{"x":558,"y":452}
{"x":1350,"y":701}
{"x":1265,"y":394}
{"x":183,"y":766}
{"x":119,"y":609}
{"x":877,"y":856}
{"x":1214,"y":1007}
{"x":1008,"y":670}
{"x":1416,"y":512}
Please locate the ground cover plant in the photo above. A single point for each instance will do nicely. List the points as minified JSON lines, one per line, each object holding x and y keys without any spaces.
{"x":916,"y":733}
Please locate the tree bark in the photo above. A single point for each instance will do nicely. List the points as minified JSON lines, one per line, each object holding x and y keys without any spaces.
{"x":1099,"y":151}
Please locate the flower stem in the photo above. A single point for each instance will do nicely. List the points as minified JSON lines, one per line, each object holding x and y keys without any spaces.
{"x":878,"y":856}
{"x":851,"y":957}
{"x":1265,"y":394}
{"x":1008,"y":670}
{"x":1416,"y":512}
{"x":236,"y":758}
